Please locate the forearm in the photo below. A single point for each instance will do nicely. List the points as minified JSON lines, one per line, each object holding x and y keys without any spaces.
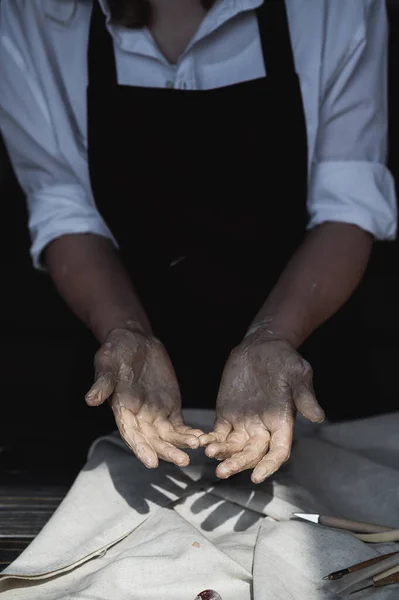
{"x":90,"y":277}
{"x":319,"y":279}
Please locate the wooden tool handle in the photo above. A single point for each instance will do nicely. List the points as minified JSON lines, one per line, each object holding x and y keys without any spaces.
{"x":389,"y":573}
{"x":355,"y":526}
{"x":374,"y":538}
{"x":387,"y":581}
{"x":371,"y":561}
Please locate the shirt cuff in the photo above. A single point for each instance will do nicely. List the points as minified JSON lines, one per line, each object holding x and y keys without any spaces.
{"x":59,"y":211}
{"x":359,"y":193}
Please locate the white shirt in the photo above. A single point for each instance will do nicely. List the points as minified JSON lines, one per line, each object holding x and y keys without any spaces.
{"x":340,"y":50}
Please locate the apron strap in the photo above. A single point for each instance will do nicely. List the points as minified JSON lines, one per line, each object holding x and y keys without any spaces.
{"x":276,"y":39}
{"x":101,"y":55}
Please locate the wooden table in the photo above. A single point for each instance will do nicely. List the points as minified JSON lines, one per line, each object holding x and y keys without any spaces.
{"x":27,"y":501}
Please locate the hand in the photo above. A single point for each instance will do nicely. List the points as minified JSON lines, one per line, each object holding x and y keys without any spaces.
{"x":265,"y":380}
{"x":134,"y":372}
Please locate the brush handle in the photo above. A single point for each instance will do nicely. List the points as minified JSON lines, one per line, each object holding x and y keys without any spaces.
{"x":368,"y":573}
{"x":387,"y":581}
{"x":355,"y":526}
{"x":359,"y":566}
{"x":371,"y":561}
{"x":389,"y":573}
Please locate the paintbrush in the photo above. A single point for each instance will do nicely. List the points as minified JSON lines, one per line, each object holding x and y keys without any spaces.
{"x":353,"y":568}
{"x":338,"y":523}
{"x":366,"y":574}
{"x":390,"y":577}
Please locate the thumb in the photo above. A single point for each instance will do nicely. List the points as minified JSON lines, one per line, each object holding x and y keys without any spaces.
{"x":221,"y":430}
{"x":101,"y":390}
{"x":306,"y":403}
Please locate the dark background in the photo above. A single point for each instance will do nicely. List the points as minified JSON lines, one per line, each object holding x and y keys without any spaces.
{"x":46,"y":364}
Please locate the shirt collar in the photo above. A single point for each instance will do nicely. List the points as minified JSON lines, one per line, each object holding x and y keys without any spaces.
{"x":224,"y":10}
{"x":62,"y":11}
{"x":231,"y":5}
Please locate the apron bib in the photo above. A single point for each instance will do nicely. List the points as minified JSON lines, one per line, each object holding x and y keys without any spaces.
{"x":205,"y":192}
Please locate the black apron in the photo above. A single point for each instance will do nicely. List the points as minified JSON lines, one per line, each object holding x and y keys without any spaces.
{"x":205,"y":192}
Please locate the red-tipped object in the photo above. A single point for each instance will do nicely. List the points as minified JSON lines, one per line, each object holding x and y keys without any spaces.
{"x":208,"y":595}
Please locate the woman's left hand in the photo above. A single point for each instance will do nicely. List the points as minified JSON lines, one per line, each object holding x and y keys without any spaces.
{"x":265,"y":380}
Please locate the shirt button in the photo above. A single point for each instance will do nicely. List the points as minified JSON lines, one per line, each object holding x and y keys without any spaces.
{"x":170,"y":84}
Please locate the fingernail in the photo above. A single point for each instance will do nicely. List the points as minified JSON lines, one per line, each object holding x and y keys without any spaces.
{"x":91,"y":397}
{"x":178,"y":458}
{"x":150,"y":461}
{"x":207,"y":439}
{"x":223,"y":473}
{"x":260,"y":476}
{"x":193,"y":442}
{"x":263,"y":475}
{"x":320,"y":416}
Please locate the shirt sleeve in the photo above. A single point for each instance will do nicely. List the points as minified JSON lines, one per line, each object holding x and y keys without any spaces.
{"x":57,"y":204}
{"x":349,"y":181}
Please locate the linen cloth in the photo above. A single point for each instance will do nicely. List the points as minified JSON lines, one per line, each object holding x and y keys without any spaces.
{"x":127,"y":533}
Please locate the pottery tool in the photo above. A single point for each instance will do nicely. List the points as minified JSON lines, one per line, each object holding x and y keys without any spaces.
{"x":347,"y":525}
{"x":382,"y":580}
{"x":368,"y":573}
{"x":374,"y":538}
{"x":357,"y":567}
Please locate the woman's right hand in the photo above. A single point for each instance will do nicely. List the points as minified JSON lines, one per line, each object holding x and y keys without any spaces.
{"x":134,"y":372}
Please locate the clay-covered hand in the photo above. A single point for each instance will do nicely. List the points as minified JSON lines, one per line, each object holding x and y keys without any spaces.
{"x":135,"y":373}
{"x":265,"y":380}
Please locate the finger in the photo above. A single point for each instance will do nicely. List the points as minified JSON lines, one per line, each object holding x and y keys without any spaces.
{"x":189,"y":430}
{"x":182,"y":440}
{"x":279,"y":453}
{"x":180,"y":435}
{"x":132,"y":435}
{"x":234,"y":443}
{"x":219,"y":434}
{"x":168,"y":452}
{"x":169,"y":434}
{"x":305,"y":401}
{"x":250,"y":456}
{"x":176,"y":420}
{"x":101,"y":389}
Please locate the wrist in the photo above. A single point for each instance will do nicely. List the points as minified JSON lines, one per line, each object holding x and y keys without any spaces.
{"x":132,"y":326}
{"x":103,"y":325}
{"x":268,"y":329}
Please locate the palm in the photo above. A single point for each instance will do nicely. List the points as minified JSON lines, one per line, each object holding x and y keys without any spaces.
{"x":262,"y":385}
{"x":136,"y":375}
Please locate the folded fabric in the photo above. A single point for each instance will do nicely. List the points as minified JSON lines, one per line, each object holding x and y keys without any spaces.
{"x":124,"y":532}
